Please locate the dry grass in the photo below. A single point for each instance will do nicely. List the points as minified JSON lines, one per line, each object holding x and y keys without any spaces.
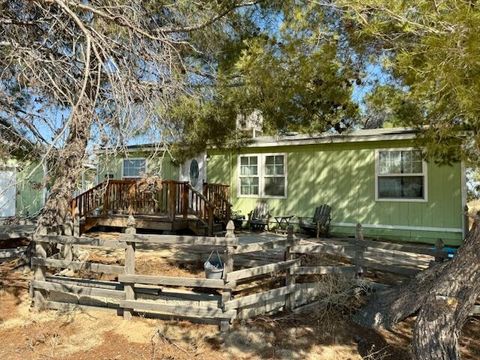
{"x":325,"y":332}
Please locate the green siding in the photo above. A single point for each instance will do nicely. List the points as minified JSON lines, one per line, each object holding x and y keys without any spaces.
{"x":343,"y":175}
{"x":29,"y":176}
{"x":157,"y":164}
{"x":30,"y":190}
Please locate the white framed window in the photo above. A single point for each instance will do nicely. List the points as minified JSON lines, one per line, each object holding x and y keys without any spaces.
{"x":262,"y":175}
{"x":400,"y":175}
{"x":249,"y":177}
{"x":134,"y":168}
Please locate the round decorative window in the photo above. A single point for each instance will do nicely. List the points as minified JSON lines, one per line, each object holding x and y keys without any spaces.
{"x":194,"y":172}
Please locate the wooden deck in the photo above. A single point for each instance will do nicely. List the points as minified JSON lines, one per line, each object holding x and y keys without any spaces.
{"x":151,"y":222}
{"x":165,"y":205}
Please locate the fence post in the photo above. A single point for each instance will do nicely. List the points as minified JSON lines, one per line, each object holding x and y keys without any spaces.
{"x":76,"y":222}
{"x":439,"y":251}
{"x":228,"y":267}
{"x":466,"y":221}
{"x":66,"y":250}
{"x":210,"y":221}
{"x":129,"y":265}
{"x":359,"y":250}
{"x":290,"y":276}
{"x":39,"y":271}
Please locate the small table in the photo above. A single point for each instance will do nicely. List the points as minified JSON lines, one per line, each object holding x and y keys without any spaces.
{"x":283,"y":222}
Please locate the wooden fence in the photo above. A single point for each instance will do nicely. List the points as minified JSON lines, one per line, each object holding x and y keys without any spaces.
{"x":14,"y":241}
{"x":239,"y":294}
{"x":400,"y":259}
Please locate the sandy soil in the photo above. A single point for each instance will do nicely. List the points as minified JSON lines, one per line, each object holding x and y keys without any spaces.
{"x":28,"y":334}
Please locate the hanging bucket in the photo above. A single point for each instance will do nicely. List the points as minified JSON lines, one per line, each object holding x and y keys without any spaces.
{"x":213,"y":267}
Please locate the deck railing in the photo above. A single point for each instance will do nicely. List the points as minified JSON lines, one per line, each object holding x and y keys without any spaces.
{"x":90,"y":200}
{"x":168,"y":197}
{"x":219,"y":196}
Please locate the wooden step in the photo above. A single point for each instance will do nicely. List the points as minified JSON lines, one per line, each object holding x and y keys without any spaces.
{"x":88,"y":224}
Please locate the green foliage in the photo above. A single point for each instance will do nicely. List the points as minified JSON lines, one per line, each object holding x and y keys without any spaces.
{"x":293,"y":69}
{"x":432,"y":49}
{"x":384,"y":106}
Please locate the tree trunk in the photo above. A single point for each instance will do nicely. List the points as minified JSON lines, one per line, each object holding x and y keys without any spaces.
{"x":67,"y":167}
{"x":444,"y":295}
{"x":387,"y":308}
{"x":449,"y":303}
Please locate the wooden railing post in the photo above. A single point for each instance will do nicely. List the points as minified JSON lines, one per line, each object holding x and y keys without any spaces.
{"x":227,"y":268}
{"x":290,"y":276}
{"x":360,"y":248}
{"x":172,"y":196}
{"x":106,"y":199}
{"x":185,"y":200}
{"x":129,"y":265}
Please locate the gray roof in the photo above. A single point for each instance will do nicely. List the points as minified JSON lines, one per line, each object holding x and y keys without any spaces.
{"x":365,"y":135}
{"x":325,"y":138}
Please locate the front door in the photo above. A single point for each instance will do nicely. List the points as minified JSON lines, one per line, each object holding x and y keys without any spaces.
{"x":7,"y":192}
{"x":195,"y":171}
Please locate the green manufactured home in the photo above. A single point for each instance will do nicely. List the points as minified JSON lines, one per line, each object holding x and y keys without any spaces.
{"x":373,"y":177}
{"x":21,"y":191}
{"x":136,"y":161}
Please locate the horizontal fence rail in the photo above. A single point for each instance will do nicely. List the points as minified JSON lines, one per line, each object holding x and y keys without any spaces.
{"x":290,"y":283}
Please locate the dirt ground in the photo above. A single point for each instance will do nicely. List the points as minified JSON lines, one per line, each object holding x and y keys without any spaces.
{"x":96,"y":334}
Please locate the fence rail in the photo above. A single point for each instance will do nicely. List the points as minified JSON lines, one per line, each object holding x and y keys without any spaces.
{"x":286,"y":284}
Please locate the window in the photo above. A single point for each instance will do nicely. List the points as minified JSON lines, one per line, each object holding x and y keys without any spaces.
{"x":134,"y":168}
{"x":249,"y":180}
{"x":194,"y":172}
{"x":274,"y":175}
{"x":401,"y":175}
{"x":262,"y":175}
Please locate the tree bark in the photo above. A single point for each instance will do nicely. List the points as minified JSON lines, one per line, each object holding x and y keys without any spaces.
{"x":67,"y":166}
{"x":443,"y":296}
{"x":449,"y":303}
{"x":387,"y":308}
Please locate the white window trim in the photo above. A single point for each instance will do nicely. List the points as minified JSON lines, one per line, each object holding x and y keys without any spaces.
{"x":123,"y":168}
{"x":261,"y":177}
{"x":377,"y":174}
{"x":240,"y":176}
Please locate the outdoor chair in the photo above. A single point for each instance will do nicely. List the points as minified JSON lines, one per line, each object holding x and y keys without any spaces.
{"x":319,"y":223}
{"x":259,"y":217}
